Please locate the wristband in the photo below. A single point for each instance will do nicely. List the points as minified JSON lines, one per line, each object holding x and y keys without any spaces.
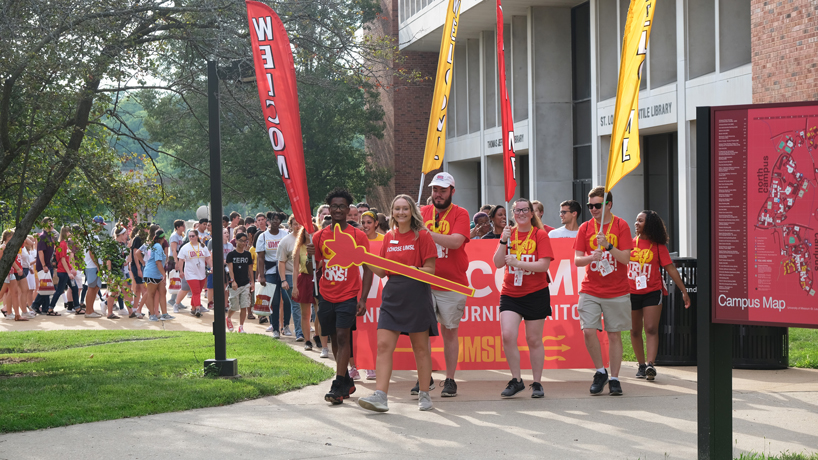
{"x":503,"y":242}
{"x":610,"y":246}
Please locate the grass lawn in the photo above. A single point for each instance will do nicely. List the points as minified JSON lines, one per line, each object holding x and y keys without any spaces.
{"x":59,"y":378}
{"x":803,"y":348}
{"x":781,"y":456}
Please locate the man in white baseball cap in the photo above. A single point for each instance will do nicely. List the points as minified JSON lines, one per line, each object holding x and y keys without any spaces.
{"x":449,"y":225}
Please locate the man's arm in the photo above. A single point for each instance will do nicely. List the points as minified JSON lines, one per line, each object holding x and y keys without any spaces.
{"x":366,"y":285}
{"x":449,"y":241}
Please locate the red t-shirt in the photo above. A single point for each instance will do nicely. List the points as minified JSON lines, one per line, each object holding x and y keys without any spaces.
{"x":616,"y":283}
{"x":62,"y":253}
{"x":454,"y":221}
{"x":532,"y":249}
{"x":547,"y":228}
{"x":646,"y":259}
{"x":338,"y":284}
{"x":405,"y":249}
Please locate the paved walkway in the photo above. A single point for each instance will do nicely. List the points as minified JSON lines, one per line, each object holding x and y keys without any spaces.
{"x":773,"y":411}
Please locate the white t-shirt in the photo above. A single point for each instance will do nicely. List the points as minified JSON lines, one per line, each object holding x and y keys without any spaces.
{"x":179,"y":240}
{"x":195,"y":258}
{"x":26,"y":259}
{"x":268,"y":243}
{"x":563,"y":232}
{"x":89,"y":263}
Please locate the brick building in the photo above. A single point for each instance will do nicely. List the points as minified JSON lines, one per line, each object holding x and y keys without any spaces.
{"x":562,"y":59}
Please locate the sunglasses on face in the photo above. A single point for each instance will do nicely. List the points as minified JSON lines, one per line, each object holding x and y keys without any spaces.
{"x":595,"y":205}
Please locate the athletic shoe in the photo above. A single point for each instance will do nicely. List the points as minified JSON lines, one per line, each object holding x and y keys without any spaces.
{"x":377,"y":402}
{"x":536,"y":390}
{"x":286,"y":331}
{"x":354,"y":374}
{"x":166,"y":317}
{"x":197,"y":312}
{"x":317,"y":341}
{"x":31,"y":314}
{"x":262,"y":320}
{"x":276,"y":335}
{"x":325,"y":353}
{"x":307,"y":346}
{"x":424,"y":400}
{"x":336,"y":395}
{"x":241,"y":330}
{"x":640,"y":373}
{"x":650,"y":372}
{"x":347,"y":387}
{"x":93,"y":315}
{"x":153,"y":318}
{"x":600,"y":380}
{"x":514,"y":386}
{"x":449,"y":388}
{"x":210,"y":306}
{"x":229,"y":324}
{"x":370,"y":374}
{"x":300,"y":338}
{"x":269,"y":329}
{"x":416,"y":388}
{"x":615,"y":387}
{"x":176,"y":308}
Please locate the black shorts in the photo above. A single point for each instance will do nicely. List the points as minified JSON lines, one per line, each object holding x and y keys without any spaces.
{"x":531,"y":307}
{"x":153,"y":280}
{"x":23,"y":276}
{"x":640,"y":301}
{"x":339,"y":315}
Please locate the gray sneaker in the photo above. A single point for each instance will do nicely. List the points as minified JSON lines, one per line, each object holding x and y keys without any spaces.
{"x":325,"y":352}
{"x":153,"y":318}
{"x":377,"y":402}
{"x":536,"y":390}
{"x":286,"y":331}
{"x":424,"y":400}
{"x":166,"y":317}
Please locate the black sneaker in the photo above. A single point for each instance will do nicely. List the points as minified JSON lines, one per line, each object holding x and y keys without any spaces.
{"x":317,"y":341}
{"x":449,"y":388}
{"x":514,"y":386}
{"x":640,"y":373}
{"x":416,"y":388}
{"x":307,"y":345}
{"x":348,"y":387}
{"x":536,"y":390}
{"x":615,"y":387}
{"x":262,"y":320}
{"x":336,"y":395}
{"x":650,"y":372}
{"x":600,"y":380}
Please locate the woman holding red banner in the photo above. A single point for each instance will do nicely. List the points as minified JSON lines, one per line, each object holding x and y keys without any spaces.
{"x":647,"y":287}
{"x":526,"y":251}
{"x":406,"y":306}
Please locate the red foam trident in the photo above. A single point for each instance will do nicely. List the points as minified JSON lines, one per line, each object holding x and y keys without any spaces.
{"x":342,"y":251}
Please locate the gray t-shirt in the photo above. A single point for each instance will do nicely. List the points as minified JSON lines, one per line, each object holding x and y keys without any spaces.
{"x":285,"y":252}
{"x":562,"y":232}
{"x":179,"y":240}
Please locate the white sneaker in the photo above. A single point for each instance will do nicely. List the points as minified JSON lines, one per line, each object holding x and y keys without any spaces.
{"x":276,"y":335}
{"x":424,"y":400}
{"x":370,"y":374}
{"x":325,"y":352}
{"x":286,"y":331}
{"x":269,"y":329}
{"x":354,"y":374}
{"x":31,"y":314}
{"x":376,"y":402}
{"x":166,"y":317}
{"x":176,"y":308}
{"x":241,"y":330}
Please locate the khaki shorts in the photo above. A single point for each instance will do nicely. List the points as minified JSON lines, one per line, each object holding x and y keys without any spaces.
{"x":617,"y":312}
{"x":449,"y":307}
{"x":239,"y":298}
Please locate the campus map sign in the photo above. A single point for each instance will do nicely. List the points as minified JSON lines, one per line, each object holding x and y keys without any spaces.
{"x":481,"y":346}
{"x":765,"y":214}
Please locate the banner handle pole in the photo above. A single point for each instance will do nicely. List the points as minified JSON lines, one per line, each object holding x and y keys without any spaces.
{"x":314,"y":272}
{"x":420,"y":189}
{"x":602,"y":222}
{"x":508,"y":245}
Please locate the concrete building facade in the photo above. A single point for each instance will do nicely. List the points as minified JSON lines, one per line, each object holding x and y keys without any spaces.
{"x":562,"y":60}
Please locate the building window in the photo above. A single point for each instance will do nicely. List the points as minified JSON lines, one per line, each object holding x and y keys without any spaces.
{"x":581,"y":81}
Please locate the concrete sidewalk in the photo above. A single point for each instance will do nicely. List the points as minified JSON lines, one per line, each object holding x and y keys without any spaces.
{"x":773,"y":411}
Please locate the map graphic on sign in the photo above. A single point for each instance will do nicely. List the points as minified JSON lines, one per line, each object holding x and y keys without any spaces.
{"x":782,"y":168}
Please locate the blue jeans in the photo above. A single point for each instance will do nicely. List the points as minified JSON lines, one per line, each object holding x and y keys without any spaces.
{"x":64,"y":281}
{"x":276,"y":280}
{"x":296,"y":308}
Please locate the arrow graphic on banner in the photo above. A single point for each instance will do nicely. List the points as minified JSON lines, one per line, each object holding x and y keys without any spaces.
{"x":345,"y":252}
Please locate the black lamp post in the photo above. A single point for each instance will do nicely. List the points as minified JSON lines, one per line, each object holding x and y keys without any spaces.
{"x":226,"y":367}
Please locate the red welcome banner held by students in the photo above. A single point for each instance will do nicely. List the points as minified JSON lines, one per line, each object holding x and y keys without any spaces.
{"x":507,"y":127}
{"x":277,"y":91}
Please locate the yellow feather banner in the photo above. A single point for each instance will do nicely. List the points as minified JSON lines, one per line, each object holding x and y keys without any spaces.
{"x":624,"y":155}
{"x":436,"y":135}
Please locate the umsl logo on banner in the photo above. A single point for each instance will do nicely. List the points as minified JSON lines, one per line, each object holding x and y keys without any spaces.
{"x":481,"y":346}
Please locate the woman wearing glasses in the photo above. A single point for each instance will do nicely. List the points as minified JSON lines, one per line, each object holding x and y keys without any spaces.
{"x":194,"y":258}
{"x":526,"y":252}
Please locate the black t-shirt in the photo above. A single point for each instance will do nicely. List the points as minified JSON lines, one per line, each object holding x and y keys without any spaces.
{"x":241,"y":263}
{"x":137,"y":243}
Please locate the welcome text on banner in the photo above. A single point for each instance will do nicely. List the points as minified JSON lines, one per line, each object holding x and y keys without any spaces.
{"x":481,"y":345}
